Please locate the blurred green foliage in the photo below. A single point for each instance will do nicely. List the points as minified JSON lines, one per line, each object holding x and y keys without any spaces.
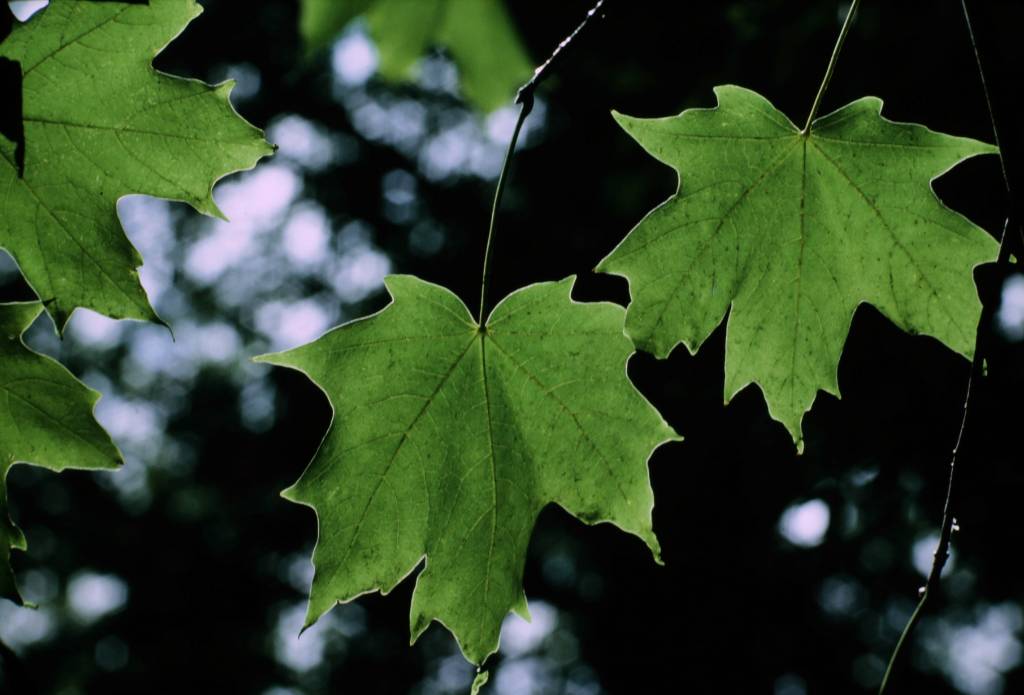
{"x":478,"y":34}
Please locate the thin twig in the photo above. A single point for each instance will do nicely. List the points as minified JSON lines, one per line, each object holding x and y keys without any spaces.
{"x":981,"y":344}
{"x":524,"y":97}
{"x":1013,"y":220}
{"x":847,"y":23}
{"x":527,"y":90}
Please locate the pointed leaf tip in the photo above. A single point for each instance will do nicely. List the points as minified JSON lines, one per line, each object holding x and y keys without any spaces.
{"x":479,"y":681}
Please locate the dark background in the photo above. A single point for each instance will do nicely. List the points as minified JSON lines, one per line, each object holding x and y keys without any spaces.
{"x":186,"y":572}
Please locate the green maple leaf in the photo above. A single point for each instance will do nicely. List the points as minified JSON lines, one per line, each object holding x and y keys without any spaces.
{"x":478,"y":33}
{"x":100,"y":123}
{"x":789,"y":233}
{"x":448,"y":440}
{"x":46,"y":419}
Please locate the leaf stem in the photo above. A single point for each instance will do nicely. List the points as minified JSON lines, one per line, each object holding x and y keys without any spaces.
{"x":524,"y":111}
{"x":977,"y":375}
{"x":847,"y":23}
{"x":524,"y":97}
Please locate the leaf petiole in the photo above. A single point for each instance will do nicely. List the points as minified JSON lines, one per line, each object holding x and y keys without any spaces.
{"x":524,"y":111}
{"x":847,"y":23}
{"x":524,"y":97}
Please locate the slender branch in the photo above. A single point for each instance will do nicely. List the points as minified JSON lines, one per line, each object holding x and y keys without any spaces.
{"x":524,"y":97}
{"x":527,"y":90}
{"x":847,"y":23}
{"x":1012,"y":218}
{"x":948,"y":519}
{"x":988,"y":96}
{"x":981,"y":345}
